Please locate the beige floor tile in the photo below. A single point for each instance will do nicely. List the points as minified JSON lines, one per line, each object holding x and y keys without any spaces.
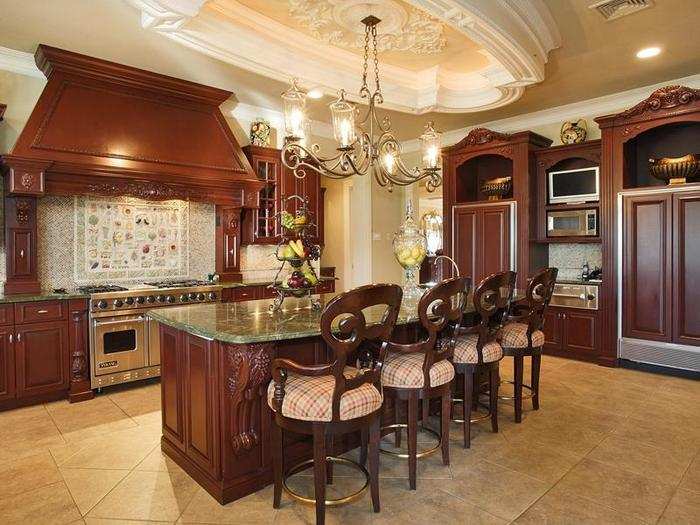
{"x":663,"y":464}
{"x":27,"y":433}
{"x":27,"y":473}
{"x":103,"y":521}
{"x":89,"y":486}
{"x":563,"y":436}
{"x":534,"y":459}
{"x":626,"y":492}
{"x":560,"y":507}
{"x":657,"y":433}
{"x":500,"y":491}
{"x":691,"y":478}
{"x":684,"y":509}
{"x":157,"y":496}
{"x":49,"y":505}
{"x":118,"y":450}
{"x":156,"y":461}
{"x":137,"y":399}
{"x":256,"y":508}
{"x":79,"y":421}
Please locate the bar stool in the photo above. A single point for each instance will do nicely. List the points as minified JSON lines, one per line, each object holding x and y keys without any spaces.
{"x":422,"y":370}
{"x":522,"y":336}
{"x":325,"y":400}
{"x":477,"y":350}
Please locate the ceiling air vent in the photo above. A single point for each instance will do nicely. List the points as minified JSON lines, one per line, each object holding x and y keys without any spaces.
{"x":612,"y":9}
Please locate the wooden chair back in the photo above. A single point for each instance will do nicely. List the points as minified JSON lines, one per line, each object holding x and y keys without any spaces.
{"x":539,"y":293}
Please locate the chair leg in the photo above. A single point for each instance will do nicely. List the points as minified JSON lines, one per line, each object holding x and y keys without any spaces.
{"x":493,"y":396}
{"x":518,"y":386}
{"x":467,"y":406}
{"x":374,"y":436}
{"x":277,"y":463}
{"x":445,"y":424}
{"x":320,"y":472}
{"x":364,"y":435}
{"x":329,"y":466}
{"x":397,"y":419}
{"x":535,"y":380}
{"x":412,"y":417}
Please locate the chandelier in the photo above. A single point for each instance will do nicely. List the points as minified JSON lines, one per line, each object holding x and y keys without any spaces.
{"x":365,"y":144}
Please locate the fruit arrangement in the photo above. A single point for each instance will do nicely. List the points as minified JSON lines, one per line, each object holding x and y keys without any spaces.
{"x":410,"y":248}
{"x":297,"y":250}
{"x":411,"y":257}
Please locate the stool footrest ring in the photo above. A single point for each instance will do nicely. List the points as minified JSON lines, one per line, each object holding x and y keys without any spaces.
{"x":329,"y":502}
{"x":473,"y":419}
{"x":525,"y":395}
{"x":422,"y":453}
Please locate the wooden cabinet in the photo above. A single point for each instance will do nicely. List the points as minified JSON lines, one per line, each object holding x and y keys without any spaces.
{"x":228,"y":242}
{"x":41,"y":357}
{"x":171,"y":372}
{"x":259,"y":226}
{"x":261,"y":291}
{"x":7,"y":364}
{"x":647,"y":269}
{"x":571,"y":332}
{"x":482,"y":239}
{"x":686,"y":268}
{"x":21,"y":245}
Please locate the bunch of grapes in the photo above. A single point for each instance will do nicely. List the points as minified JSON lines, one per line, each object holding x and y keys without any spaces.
{"x":313,"y":249}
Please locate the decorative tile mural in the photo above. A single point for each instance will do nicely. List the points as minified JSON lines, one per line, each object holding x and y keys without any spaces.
{"x":130,"y":239}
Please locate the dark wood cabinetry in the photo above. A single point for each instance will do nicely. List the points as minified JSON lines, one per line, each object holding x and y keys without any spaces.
{"x":482,"y":238}
{"x":261,"y":291}
{"x":571,"y":332}
{"x":7,"y":364}
{"x":686,"y":268}
{"x":41,"y":357}
{"x":228,"y":242}
{"x":21,"y":245}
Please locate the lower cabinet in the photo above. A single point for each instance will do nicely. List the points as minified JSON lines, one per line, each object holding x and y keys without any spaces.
{"x":261,"y":291}
{"x":570,"y":332}
{"x":7,"y":365}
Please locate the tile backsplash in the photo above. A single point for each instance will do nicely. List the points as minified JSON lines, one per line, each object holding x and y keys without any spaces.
{"x":569,"y":258}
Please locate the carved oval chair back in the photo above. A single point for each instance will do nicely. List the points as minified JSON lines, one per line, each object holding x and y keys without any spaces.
{"x":539,"y":293}
{"x":344,"y":328}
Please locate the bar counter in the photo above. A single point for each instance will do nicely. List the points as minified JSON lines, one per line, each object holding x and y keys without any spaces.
{"x":215,"y":368}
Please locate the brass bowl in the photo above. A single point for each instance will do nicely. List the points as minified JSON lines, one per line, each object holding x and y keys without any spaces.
{"x":495,"y":189}
{"x":675,"y":170}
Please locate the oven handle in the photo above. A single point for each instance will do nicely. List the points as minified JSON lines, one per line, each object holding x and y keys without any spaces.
{"x":97,"y":322}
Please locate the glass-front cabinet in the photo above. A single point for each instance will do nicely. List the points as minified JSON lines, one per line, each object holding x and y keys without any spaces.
{"x":259,"y":226}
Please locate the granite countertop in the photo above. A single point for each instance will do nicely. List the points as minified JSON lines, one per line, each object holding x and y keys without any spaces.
{"x":47,"y":295}
{"x":252,"y":321}
{"x":261,"y":282}
{"x":579,"y":281}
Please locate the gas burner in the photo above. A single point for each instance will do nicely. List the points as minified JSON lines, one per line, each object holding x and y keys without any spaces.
{"x":178,"y":284}
{"x":101,"y":288}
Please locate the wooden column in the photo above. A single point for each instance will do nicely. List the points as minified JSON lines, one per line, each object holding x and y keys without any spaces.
{"x":228,"y":243}
{"x":80,"y":389}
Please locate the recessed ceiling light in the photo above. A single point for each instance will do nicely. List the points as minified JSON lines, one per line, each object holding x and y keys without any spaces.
{"x":315,"y":93}
{"x":648,"y":52}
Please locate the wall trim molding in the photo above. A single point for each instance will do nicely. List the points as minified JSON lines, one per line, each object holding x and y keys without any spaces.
{"x":19,"y":62}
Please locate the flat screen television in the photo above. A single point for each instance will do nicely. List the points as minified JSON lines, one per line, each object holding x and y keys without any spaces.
{"x":574,"y":186}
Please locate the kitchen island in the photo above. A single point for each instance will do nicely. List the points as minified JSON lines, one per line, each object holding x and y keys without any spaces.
{"x":215,"y":368}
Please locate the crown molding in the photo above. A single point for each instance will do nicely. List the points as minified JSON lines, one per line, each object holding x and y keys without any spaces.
{"x":19,"y":62}
{"x":593,"y":107}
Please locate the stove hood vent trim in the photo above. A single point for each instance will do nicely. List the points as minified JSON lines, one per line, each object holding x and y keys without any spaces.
{"x":108,"y":129}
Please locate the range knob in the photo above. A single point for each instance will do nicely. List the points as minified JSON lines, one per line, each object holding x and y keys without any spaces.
{"x":183,"y":298}
{"x":102,"y":304}
{"x":118,"y":303}
{"x":192,"y":296}
{"x":160,"y":298}
{"x":129,"y":301}
{"x":211,"y":296}
{"x":140,"y":299}
{"x":170,"y":299}
{"x":201,"y":296}
{"x":150,"y":299}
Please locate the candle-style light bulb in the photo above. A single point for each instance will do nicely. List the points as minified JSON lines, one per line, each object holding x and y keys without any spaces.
{"x":430,"y":147}
{"x":343,"y":115}
{"x":294,"y":100}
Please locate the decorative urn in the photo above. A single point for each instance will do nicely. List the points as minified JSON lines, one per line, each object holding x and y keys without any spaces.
{"x":410,"y":248}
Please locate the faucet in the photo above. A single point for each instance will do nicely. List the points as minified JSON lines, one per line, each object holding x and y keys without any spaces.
{"x":454,"y":264}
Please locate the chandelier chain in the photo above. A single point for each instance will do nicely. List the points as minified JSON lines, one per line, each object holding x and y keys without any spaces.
{"x":376,"y":58}
{"x":365,"y":63}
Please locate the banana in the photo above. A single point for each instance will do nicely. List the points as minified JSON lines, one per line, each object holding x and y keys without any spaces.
{"x":298,"y":247}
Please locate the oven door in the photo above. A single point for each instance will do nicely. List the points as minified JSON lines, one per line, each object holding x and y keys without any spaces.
{"x":120,"y":344}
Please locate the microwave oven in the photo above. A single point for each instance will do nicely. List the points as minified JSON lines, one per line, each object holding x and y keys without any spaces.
{"x":572,"y":223}
{"x":574,"y":186}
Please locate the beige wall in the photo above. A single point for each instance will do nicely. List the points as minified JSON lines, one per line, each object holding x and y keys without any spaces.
{"x":20,"y":93}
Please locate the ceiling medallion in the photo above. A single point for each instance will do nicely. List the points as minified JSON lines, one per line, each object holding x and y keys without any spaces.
{"x":366,"y":146}
{"x":335,"y":22}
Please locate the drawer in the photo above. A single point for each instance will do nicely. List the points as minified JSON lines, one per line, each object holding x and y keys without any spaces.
{"x":266,"y":293}
{"x":326,"y":287}
{"x":244,"y":293}
{"x":40,"y":311}
{"x":7,"y":316}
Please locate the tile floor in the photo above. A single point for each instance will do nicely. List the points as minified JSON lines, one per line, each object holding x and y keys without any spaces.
{"x":607,"y":446}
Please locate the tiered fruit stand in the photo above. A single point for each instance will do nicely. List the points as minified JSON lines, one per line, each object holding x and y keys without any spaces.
{"x":296,"y":253}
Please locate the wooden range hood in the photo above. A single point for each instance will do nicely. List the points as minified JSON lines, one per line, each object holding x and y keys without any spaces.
{"x":107,"y":129}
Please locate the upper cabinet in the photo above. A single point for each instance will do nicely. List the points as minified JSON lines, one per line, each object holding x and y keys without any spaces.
{"x":260,"y":226}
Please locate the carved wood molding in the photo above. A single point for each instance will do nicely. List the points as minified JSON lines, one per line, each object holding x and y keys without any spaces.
{"x":23,"y":211}
{"x":247,"y":376}
{"x":78,"y":368}
{"x":143,"y":190}
{"x":479,"y":136}
{"x":663,"y":98}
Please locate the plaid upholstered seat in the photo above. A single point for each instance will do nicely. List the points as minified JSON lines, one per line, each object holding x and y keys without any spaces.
{"x":406,"y":371}
{"x":311,"y":398}
{"x":465,"y":350}
{"x":514,"y":335}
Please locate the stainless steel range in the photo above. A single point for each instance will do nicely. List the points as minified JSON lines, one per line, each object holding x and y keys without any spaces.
{"x":124,"y":343}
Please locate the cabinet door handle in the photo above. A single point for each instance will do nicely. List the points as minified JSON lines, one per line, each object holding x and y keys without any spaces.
{"x":21,"y":254}
{"x":19,"y":338}
{"x":42,"y":311}
{"x":12,"y":338}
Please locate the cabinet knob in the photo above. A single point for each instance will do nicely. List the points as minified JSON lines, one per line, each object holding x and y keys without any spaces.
{"x":12,"y":338}
{"x":19,"y":338}
{"x":21,"y":254}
